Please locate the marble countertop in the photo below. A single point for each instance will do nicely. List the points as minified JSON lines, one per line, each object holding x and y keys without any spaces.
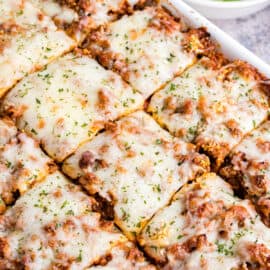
{"x":253,"y":32}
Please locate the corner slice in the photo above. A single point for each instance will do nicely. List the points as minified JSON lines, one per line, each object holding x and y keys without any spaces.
{"x":22,"y":163}
{"x":124,"y":257}
{"x":53,"y":226}
{"x":212,"y":104}
{"x":78,"y":17}
{"x":206,"y":227}
{"x":28,"y":41}
{"x":136,"y":167}
{"x":147,"y":48}
{"x":68,"y":102}
{"x":248,"y":168}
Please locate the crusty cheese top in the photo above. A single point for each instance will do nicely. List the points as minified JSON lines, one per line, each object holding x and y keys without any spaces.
{"x":214,"y":107}
{"x":137,"y":167}
{"x":60,"y":13}
{"x":8,"y":131}
{"x":146,"y":48}
{"x":177,"y":105}
{"x":247,"y":107}
{"x":124,"y":257}
{"x":249,"y":167}
{"x":52,"y":226}
{"x":28,"y":41}
{"x":134,"y":171}
{"x":206,"y":227}
{"x":79,"y":17}
{"x":69,"y":101}
{"x":22,"y":163}
{"x":251,"y":159}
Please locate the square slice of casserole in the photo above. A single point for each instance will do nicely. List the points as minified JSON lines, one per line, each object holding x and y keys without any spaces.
{"x":54,"y":226}
{"x":212,"y":104}
{"x":28,"y":41}
{"x":68,"y":102}
{"x":207,"y":227}
{"x":136,"y":167}
{"x":148,"y":48}
{"x":22,"y":163}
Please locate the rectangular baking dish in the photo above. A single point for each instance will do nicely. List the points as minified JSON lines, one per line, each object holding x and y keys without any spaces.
{"x":229,"y":46}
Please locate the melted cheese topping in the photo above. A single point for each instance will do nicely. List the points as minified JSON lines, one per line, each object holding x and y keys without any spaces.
{"x":207,"y":227}
{"x":134,"y":167}
{"x":56,"y":11}
{"x":22,"y":163}
{"x":29,"y":40}
{"x":213,"y":110}
{"x":68,"y":102}
{"x":146,"y":49}
{"x":176,"y":105}
{"x":249,"y":167}
{"x":53,"y":226}
{"x":84,"y":15}
{"x":126,"y":256}
{"x":137,"y":167}
{"x":251,"y":158}
{"x":8,"y":131}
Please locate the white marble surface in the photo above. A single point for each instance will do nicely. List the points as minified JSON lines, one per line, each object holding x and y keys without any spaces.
{"x":253,"y":32}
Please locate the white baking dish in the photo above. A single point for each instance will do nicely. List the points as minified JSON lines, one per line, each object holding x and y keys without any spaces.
{"x":230,"y":47}
{"x":227,"y":10}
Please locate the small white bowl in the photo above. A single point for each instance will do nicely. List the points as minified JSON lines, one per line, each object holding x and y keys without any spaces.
{"x":227,"y":10}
